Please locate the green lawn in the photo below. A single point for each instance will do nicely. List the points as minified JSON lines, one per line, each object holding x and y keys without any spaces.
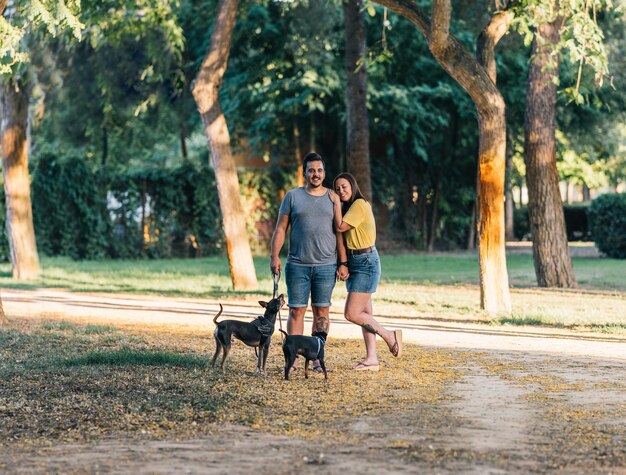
{"x":414,"y":285}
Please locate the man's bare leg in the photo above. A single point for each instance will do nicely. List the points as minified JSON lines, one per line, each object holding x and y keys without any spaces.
{"x":321,"y":323}
{"x":295,"y":323}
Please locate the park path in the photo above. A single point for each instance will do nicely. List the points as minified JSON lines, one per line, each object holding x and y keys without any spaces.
{"x":198,"y":314}
{"x":527,"y":400}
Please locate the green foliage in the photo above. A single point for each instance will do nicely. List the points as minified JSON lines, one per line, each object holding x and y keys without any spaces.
{"x":582,"y":38}
{"x":576,"y":223}
{"x":27,"y":16}
{"x":260,"y":200}
{"x":87,"y":215}
{"x":607,"y":222}
{"x":131,"y":357}
{"x":178,"y":208}
{"x":69,"y":212}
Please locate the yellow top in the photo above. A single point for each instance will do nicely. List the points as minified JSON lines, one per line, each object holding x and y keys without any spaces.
{"x":363,"y":231}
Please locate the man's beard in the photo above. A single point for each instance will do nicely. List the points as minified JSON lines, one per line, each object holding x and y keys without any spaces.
{"x":315,"y":185}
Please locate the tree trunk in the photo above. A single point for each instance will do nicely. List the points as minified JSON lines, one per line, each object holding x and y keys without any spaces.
{"x":471,"y":235}
{"x":205,"y":90}
{"x":477,"y":75}
{"x":14,"y":149}
{"x":297,"y":154}
{"x":357,"y":146}
{"x":586,"y":192}
{"x":3,"y":318}
{"x":434,"y":217}
{"x":183,"y":143}
{"x":509,"y":211}
{"x":553,"y":265}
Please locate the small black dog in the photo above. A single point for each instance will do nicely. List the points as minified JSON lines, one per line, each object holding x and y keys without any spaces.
{"x":257,"y":333}
{"x":311,"y":347}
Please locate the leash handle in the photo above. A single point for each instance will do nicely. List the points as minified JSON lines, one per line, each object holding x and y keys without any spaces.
{"x":276,"y":279}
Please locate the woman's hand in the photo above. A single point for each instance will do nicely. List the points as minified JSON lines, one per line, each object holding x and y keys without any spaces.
{"x":343,"y":273}
{"x":334,"y":197}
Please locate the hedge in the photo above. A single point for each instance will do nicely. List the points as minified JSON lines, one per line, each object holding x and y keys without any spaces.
{"x":576,"y":223}
{"x":607,"y":221}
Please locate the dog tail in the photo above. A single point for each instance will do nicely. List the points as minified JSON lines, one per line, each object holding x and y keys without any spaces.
{"x":282,"y":331}
{"x":218,"y":314}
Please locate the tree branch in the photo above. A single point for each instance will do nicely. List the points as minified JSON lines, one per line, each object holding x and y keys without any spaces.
{"x":411,"y":12}
{"x":440,"y":28}
{"x":489,"y":38}
{"x":452,"y":55}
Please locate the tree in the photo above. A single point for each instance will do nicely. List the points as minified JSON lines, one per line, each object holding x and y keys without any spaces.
{"x":553,"y":264}
{"x":357,"y":144}
{"x":19,"y":21}
{"x":205,"y":89}
{"x":554,"y":27}
{"x":477,"y":75}
{"x":14,"y":149}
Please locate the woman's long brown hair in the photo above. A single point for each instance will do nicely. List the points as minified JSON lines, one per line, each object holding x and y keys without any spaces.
{"x":356,"y":191}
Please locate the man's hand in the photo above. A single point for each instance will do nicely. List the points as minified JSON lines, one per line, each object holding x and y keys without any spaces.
{"x":275,"y":265}
{"x":343,"y":273}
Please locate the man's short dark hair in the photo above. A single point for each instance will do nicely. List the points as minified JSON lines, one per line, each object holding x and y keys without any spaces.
{"x":312,"y":157}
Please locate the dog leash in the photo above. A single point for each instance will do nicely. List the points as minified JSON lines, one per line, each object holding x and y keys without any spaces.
{"x":276,"y":279}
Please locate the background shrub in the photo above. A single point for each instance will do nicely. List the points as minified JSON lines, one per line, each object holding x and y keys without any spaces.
{"x":576,"y":224}
{"x":607,"y":222}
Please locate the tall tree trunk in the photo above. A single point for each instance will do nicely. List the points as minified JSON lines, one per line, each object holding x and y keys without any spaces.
{"x":477,"y":76}
{"x":183,"y":143}
{"x":471,"y":235}
{"x":553,"y":265}
{"x":434,"y":217}
{"x":205,"y":90}
{"x":508,"y":194}
{"x":297,"y":154}
{"x":358,"y":134}
{"x":105,"y":147}
{"x":14,"y":150}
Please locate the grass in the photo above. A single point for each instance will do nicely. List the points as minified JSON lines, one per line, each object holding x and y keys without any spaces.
{"x":66,"y":384}
{"x":129,"y":357}
{"x":414,"y":285}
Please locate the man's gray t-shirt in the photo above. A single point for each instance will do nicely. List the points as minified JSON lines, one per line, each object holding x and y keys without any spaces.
{"x":312,"y":241}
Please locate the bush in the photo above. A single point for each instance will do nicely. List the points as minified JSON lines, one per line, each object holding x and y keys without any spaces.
{"x":607,"y":222}
{"x":576,"y":224}
{"x":69,"y":213}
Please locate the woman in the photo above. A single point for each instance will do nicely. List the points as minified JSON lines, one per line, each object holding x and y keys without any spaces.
{"x":354,"y":217}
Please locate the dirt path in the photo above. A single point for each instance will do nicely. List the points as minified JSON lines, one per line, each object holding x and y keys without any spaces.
{"x":524,"y":401}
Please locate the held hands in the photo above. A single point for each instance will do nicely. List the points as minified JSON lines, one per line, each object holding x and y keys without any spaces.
{"x":343,"y":273}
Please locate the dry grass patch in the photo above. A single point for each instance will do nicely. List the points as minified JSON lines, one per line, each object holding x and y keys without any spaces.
{"x":68,"y":382}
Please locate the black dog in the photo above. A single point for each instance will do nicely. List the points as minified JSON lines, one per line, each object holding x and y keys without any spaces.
{"x":257,"y":333}
{"x":311,"y":347}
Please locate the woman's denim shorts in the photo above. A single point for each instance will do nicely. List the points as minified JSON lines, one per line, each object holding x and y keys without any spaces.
{"x":364,"y":272}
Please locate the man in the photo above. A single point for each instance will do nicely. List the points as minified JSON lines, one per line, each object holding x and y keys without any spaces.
{"x":311,"y":267}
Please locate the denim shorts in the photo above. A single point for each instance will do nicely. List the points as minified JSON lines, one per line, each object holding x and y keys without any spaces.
{"x":317,"y":281}
{"x":364,"y":272}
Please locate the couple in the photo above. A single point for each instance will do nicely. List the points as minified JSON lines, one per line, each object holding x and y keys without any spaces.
{"x":332,"y":237}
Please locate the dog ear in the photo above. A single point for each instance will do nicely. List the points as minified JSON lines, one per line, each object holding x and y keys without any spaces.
{"x":263,"y":304}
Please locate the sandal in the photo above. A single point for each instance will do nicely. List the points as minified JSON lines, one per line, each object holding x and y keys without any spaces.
{"x":396,"y":349}
{"x":366,"y":367}
{"x":318,"y":369}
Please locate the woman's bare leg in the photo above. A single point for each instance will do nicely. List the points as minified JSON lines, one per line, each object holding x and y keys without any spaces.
{"x":359,"y":310}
